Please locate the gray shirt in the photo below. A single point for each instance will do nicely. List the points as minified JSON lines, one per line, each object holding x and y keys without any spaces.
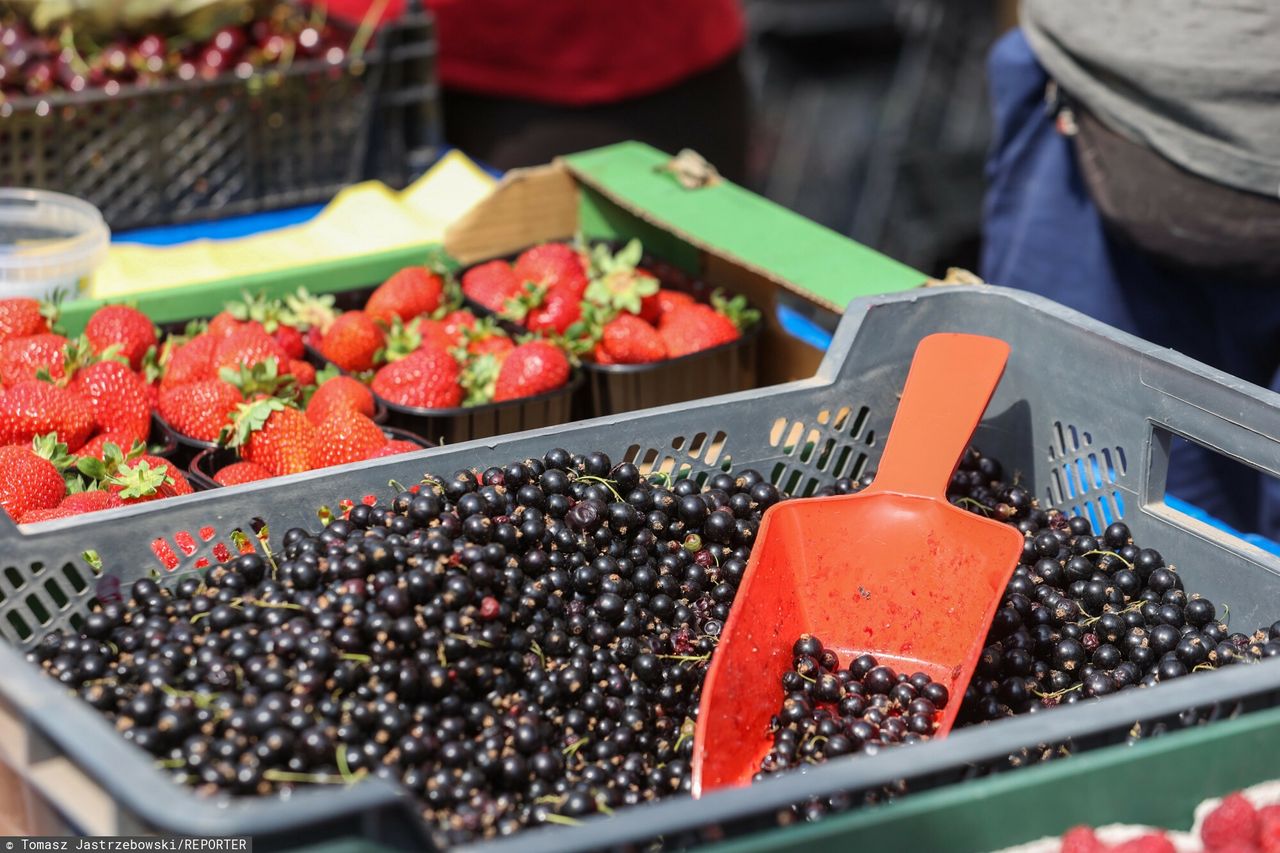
{"x":1197,"y":81}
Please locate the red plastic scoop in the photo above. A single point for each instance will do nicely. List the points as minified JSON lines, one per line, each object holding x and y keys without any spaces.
{"x":895,"y":570}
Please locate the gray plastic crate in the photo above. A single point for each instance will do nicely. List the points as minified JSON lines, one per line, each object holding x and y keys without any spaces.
{"x":1084,"y":414}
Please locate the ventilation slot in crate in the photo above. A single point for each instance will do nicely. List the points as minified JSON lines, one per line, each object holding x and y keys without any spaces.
{"x":1083,"y":479}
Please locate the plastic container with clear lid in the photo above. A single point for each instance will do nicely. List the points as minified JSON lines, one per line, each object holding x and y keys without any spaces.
{"x":49,"y":242}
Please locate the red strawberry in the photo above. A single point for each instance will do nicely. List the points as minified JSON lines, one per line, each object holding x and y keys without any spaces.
{"x":304,"y":372}
{"x":1234,"y":821}
{"x":271,"y":434}
{"x":532,"y":368}
{"x":435,"y":333}
{"x":427,"y":379}
{"x":240,"y":472}
{"x":290,"y":340}
{"x":486,"y":337}
{"x":627,"y":339}
{"x":29,"y":409}
{"x":345,"y":436}
{"x":663,"y":301}
{"x":190,"y":362}
{"x":123,"y":327}
{"x":1152,"y":842}
{"x":22,"y":358}
{"x":1269,"y":829}
{"x":457,"y":322}
{"x":556,"y":267}
{"x":395,"y":447}
{"x":601,"y":356}
{"x":275,"y":319}
{"x":223,"y":324}
{"x":200,"y":410}
{"x":117,"y":396}
{"x":693,"y":328}
{"x":1082,"y":839}
{"x":96,"y":447}
{"x":36,"y":516}
{"x":340,"y":392}
{"x":94,"y":500}
{"x":409,"y":293}
{"x":28,"y":482}
{"x":491,"y":284}
{"x":148,"y":478}
{"x":556,"y":313}
{"x":247,"y":346}
{"x":21,"y":317}
{"x":353,"y":341}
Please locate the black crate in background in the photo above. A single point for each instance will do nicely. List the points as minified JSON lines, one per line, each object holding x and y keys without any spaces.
{"x":183,"y":151}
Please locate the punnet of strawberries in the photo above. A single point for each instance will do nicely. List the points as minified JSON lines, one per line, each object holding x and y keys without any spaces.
{"x":1242,"y":822}
{"x":603,"y":305}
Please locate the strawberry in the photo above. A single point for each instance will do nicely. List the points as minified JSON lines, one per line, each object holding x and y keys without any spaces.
{"x":276,"y":320}
{"x":29,"y":409}
{"x":555,"y":313}
{"x":1082,"y":839}
{"x":123,"y":327}
{"x":1269,"y":829}
{"x":247,"y":346}
{"x":28,"y":482}
{"x":353,"y":341}
{"x":435,"y":333}
{"x":291,"y":341}
{"x":395,"y":447}
{"x":271,"y":434}
{"x":224,"y":323}
{"x":240,"y":472}
{"x":22,"y":358}
{"x":149,"y":478}
{"x":345,"y":436}
{"x":457,"y":322}
{"x":340,"y":392}
{"x":555,"y":266}
{"x":491,"y":284}
{"x":96,"y":447}
{"x":1234,"y":821}
{"x":653,"y":307}
{"x":94,"y":500}
{"x":486,"y":337}
{"x":200,"y":410}
{"x":189,"y":362}
{"x":616,"y":280}
{"x":21,"y":317}
{"x":427,"y":379}
{"x":532,"y":368}
{"x":36,"y":516}
{"x":1152,"y":842}
{"x":304,"y":372}
{"x":626,"y":339}
{"x":410,"y":293}
{"x":117,"y":396}
{"x":692,"y":328}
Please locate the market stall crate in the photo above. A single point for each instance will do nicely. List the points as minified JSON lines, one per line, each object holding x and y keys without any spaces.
{"x":1097,"y":447}
{"x":181,"y":150}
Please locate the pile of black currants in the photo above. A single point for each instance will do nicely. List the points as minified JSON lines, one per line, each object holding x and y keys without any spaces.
{"x":830,"y":710}
{"x":525,"y":645}
{"x":515,"y":646}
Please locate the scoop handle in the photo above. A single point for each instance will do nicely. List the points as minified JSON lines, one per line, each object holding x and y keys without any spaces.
{"x":951,"y":380}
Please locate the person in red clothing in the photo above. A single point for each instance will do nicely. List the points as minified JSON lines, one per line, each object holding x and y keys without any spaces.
{"x":526,"y":80}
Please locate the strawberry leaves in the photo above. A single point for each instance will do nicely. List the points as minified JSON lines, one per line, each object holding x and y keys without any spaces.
{"x":737,"y":310}
{"x":248,"y":419}
{"x":616,"y":280}
{"x":140,"y":480}
{"x":261,"y":378}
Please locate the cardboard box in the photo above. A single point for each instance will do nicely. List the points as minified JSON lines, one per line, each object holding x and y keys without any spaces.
{"x":726,"y":234}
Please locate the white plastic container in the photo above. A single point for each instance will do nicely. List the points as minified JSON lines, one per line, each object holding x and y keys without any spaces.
{"x":49,"y":243}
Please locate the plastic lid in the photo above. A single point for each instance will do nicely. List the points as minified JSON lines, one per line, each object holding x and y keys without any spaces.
{"x":48,"y":237}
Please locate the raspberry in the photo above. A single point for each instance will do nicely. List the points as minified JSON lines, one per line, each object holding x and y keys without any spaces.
{"x":1233,"y":821}
{"x":1081,"y":839}
{"x":1152,"y":842}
